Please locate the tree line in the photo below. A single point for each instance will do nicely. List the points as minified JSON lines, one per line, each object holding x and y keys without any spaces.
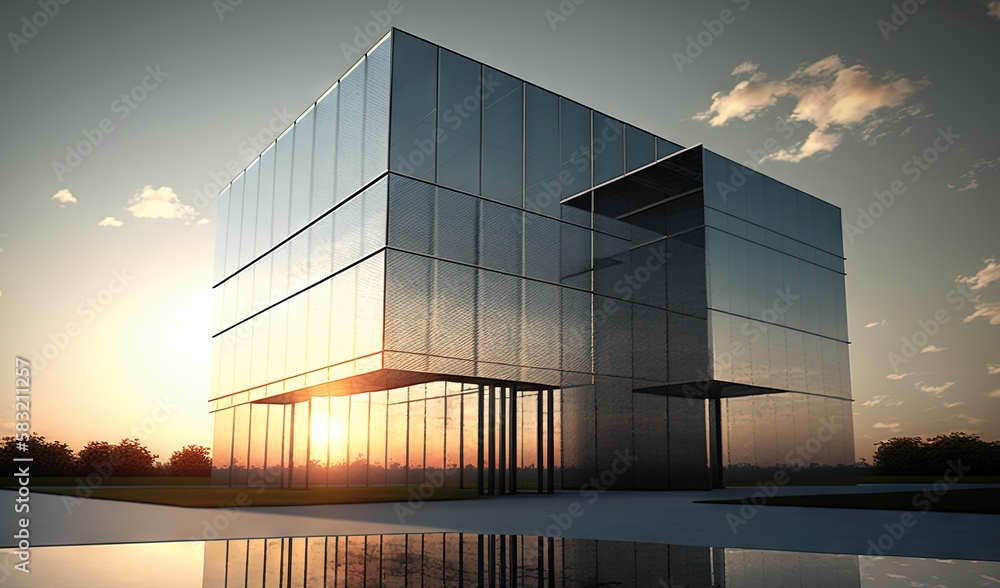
{"x":915,"y":456}
{"x":128,"y":457}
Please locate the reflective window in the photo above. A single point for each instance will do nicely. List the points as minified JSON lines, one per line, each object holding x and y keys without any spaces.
{"x":574,"y":147}
{"x":282,"y":186}
{"x":376,"y":143}
{"x":542,"y":190}
{"x":459,"y":119}
{"x":502,"y":137}
{"x":412,"y":148}
{"x":350,"y":133}
{"x":221,"y":230}
{"x":325,"y":153}
{"x":233,"y":236}
{"x":265,"y":202}
{"x":248,"y":231}
{"x":640,"y":148}
{"x":608,"y":148}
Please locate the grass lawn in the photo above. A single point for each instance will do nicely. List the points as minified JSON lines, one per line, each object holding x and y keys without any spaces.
{"x":223,"y":496}
{"x":974,"y":501}
{"x":6,"y":481}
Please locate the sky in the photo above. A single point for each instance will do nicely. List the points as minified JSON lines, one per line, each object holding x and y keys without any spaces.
{"x":123,"y":118}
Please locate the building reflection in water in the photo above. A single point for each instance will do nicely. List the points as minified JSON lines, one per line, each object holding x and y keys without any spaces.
{"x":457,"y":559}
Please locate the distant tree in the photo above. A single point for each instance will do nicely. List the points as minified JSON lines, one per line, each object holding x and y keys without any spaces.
{"x":192,"y":460}
{"x":126,"y":458}
{"x":49,"y":458}
{"x":910,"y":456}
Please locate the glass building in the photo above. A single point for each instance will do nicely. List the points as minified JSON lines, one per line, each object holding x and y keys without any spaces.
{"x":463,"y":559}
{"x":444,"y":274}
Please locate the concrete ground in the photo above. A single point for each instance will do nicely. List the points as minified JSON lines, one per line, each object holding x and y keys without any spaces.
{"x":652,"y":516}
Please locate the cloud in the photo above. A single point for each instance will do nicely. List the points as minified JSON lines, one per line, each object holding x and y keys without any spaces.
{"x":971,"y":419}
{"x":875,"y":401}
{"x":934,"y":389}
{"x":837,"y":99}
{"x":160,"y":203}
{"x":989,"y":273}
{"x":899,"y":376}
{"x":63,"y":197}
{"x":952,"y":404}
{"x":987,"y":310}
{"x":993,"y":369}
{"x":110,"y":221}
{"x":993,"y":9}
{"x":994,"y":394}
{"x":880,"y":323}
{"x":932,"y":349}
{"x":203,"y":221}
{"x":894,"y":427}
{"x":970,"y":180}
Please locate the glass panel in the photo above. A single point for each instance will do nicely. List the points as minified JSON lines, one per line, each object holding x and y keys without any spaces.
{"x":414,"y":93}
{"x":265,"y":202}
{"x":282,"y":185}
{"x":300,"y":444}
{"x":377,"y":430}
{"x":222,"y":447}
{"x":241,"y":444}
{"x":541,"y":151}
{"x":417,"y":447}
{"x":435,"y":428}
{"x":350,"y":132}
{"x":459,"y":119}
{"x":258,"y":445}
{"x":273,"y":457}
{"x":397,"y":436}
{"x":318,"y":330}
{"x":235,"y":226}
{"x":357,"y":448}
{"x":319,"y":440}
{"x":302,"y":171}
{"x":640,"y":148}
{"x":325,"y":158}
{"x":339,"y":420}
{"x":502,"y":137}
{"x":574,"y":147}
{"x":608,"y":148}
{"x":376,"y":144}
{"x":248,"y":232}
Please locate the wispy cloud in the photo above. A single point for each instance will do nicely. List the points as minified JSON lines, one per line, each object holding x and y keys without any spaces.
{"x":63,"y":197}
{"x":933,"y":389}
{"x":875,"y":401}
{"x":874,"y":324}
{"x":203,"y":221}
{"x":952,"y":404}
{"x":160,"y":203}
{"x":974,"y":421}
{"x":994,"y":394}
{"x":989,"y":273}
{"x":110,"y":221}
{"x":898,"y":376}
{"x":970,"y":180}
{"x":837,"y":99}
{"x":987,"y":310}
{"x":992,"y":369}
{"x":993,"y":9}
{"x":932,"y":349}
{"x":894,"y":427}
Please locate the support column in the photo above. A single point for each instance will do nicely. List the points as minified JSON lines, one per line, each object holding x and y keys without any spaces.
{"x":493,"y":442}
{"x":715,"y":462}
{"x":502,"y":465}
{"x":540,"y":447}
{"x":513,"y":438}
{"x":479,"y":444}
{"x":551,"y":458}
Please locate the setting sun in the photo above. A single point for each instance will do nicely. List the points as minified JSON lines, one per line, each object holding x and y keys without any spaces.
{"x":323,"y":428}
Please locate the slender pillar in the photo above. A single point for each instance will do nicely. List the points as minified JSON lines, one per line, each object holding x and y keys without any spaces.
{"x":479,"y":445}
{"x":502,"y":466}
{"x":493,"y":442}
{"x":514,"y":457}
{"x":540,"y":448}
{"x":551,"y":457}
{"x":715,"y":442}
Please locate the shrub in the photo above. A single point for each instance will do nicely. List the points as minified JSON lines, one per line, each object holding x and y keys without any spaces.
{"x":192,"y":460}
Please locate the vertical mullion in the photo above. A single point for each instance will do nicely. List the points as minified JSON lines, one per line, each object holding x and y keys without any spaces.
{"x":479,"y":444}
{"x":502,"y":465}
{"x":551,"y":442}
{"x":513,"y":438}
{"x":539,"y":421}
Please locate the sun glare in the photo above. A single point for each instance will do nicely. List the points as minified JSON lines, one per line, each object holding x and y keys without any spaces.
{"x":323,"y":428}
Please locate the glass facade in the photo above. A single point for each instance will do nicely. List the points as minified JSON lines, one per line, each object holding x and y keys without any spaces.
{"x":465,"y":559}
{"x":443,"y":270}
